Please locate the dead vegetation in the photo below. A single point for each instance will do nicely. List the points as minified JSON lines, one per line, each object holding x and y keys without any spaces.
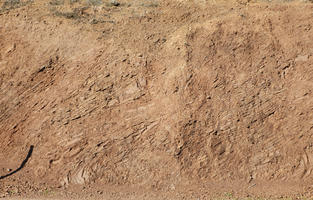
{"x":14,"y":4}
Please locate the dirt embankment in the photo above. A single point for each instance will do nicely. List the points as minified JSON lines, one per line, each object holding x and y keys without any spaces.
{"x":157,"y":95}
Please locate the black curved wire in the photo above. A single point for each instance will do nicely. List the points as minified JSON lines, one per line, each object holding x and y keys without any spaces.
{"x":30,"y":151}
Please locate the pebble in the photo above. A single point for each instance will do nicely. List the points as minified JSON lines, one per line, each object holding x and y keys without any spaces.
{"x":114,"y":3}
{"x":302,"y":58}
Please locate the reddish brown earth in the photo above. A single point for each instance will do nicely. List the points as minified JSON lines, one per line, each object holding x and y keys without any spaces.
{"x":156,"y":99}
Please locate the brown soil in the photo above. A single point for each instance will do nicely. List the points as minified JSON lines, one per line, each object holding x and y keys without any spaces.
{"x":156,"y":99}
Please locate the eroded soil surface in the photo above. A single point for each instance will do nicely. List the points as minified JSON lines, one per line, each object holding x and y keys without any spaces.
{"x":156,"y":99}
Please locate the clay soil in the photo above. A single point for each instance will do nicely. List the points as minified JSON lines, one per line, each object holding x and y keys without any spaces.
{"x":156,"y":99}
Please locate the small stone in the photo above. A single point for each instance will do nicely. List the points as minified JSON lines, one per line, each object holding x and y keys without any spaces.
{"x":172,"y":187}
{"x":114,"y":3}
{"x":99,"y":192}
{"x":11,"y":48}
{"x":113,"y":102}
{"x":94,"y":21}
{"x":42,"y":68}
{"x":302,"y":58}
{"x":9,"y":169}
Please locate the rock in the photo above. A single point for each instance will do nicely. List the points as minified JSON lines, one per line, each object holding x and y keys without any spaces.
{"x":94,"y":21}
{"x":302,"y":58}
{"x":114,"y":3}
{"x":11,"y":48}
{"x":42,"y":68}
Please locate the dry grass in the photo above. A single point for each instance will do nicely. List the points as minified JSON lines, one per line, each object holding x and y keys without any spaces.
{"x":13,"y":4}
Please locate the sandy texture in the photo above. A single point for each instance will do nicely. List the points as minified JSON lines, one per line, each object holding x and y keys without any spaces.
{"x":178,"y":99}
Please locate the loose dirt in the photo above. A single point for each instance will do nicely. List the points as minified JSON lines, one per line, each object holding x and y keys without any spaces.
{"x":156,"y":99}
